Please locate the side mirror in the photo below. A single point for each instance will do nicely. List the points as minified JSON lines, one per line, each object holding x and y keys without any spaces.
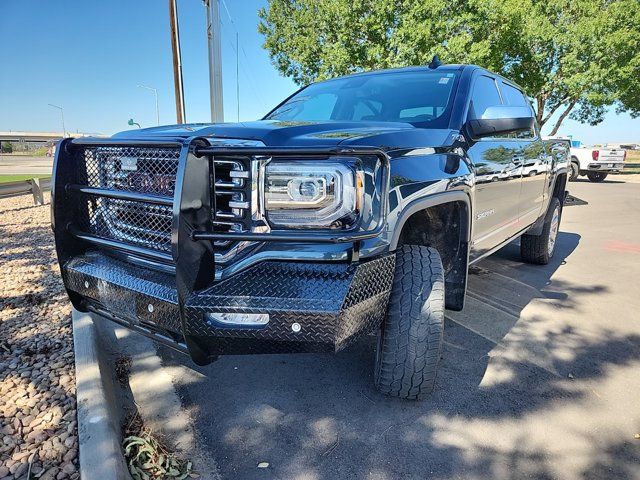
{"x":500,"y":119}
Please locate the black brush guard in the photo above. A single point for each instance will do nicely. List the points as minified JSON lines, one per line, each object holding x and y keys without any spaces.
{"x":173,"y":297}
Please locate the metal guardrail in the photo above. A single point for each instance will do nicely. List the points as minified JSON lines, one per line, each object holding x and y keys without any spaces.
{"x":35,"y":186}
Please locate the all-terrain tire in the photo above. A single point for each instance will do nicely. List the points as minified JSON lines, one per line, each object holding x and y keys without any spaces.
{"x":596,"y":177}
{"x":538,"y":249}
{"x":410,"y":340}
{"x":575,"y":171}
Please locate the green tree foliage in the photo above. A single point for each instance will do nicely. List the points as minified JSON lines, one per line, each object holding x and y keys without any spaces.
{"x":574,"y":58}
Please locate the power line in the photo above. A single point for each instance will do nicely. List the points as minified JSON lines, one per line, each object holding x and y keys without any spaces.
{"x":226,"y":9}
{"x":248,"y":77}
{"x":242,"y":64}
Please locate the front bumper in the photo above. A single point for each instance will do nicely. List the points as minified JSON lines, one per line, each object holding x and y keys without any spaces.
{"x":332,"y":303}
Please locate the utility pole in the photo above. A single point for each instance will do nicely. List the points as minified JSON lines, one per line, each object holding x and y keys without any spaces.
{"x":177,"y":61}
{"x":155,"y":92}
{"x":64,"y":131}
{"x":237,"y":78}
{"x":215,"y":59}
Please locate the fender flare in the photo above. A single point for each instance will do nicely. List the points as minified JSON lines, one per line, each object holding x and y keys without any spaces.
{"x":432,"y":201}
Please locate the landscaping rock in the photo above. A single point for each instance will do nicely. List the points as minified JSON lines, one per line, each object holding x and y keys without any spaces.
{"x":37,"y":377}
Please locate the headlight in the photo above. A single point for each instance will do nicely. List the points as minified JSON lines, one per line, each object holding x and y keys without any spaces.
{"x":312,"y":194}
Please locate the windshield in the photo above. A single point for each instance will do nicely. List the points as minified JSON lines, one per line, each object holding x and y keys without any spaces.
{"x":421,"y":98}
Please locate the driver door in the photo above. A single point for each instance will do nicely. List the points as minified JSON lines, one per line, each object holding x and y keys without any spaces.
{"x":498,"y":164}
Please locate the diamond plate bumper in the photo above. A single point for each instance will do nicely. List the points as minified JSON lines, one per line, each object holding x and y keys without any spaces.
{"x":333,"y":304}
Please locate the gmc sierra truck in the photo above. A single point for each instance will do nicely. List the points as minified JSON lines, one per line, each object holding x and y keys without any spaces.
{"x":354,"y":207}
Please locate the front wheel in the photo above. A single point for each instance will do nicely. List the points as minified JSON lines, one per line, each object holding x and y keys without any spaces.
{"x":596,"y":177}
{"x":410,"y":340}
{"x":539,"y":249}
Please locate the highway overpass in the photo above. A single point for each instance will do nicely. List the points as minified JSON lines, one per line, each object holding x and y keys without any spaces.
{"x":40,"y":137}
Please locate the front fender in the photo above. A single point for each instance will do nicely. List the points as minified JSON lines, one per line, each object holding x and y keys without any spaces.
{"x":423,"y":181}
{"x":428,"y":202}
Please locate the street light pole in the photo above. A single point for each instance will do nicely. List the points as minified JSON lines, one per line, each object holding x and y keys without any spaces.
{"x":64,"y":131}
{"x":155,"y":92}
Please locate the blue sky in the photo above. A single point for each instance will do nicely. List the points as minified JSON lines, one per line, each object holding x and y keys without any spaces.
{"x":89,"y":57}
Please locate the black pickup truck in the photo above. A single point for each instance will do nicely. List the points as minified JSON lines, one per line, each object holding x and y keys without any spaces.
{"x":354,"y":207}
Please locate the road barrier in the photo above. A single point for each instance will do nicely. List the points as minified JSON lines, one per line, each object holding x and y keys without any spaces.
{"x":35,"y":186}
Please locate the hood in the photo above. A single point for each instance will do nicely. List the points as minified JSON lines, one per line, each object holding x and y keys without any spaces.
{"x":274,"y":133}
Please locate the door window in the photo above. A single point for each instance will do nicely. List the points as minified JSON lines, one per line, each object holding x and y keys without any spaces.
{"x":514,"y":97}
{"x":485,"y":94}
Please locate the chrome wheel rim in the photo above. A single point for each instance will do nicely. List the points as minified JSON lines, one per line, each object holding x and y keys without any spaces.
{"x":553,"y":230}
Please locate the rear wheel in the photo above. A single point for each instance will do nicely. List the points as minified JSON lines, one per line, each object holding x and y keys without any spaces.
{"x":575,"y":171}
{"x":596,"y":177}
{"x":539,"y":249}
{"x":410,"y":340}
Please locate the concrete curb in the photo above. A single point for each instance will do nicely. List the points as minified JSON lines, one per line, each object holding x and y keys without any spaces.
{"x":99,"y":422}
{"x":152,"y":392}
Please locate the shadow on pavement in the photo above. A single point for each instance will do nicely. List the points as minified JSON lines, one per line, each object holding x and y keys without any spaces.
{"x":319,"y":417}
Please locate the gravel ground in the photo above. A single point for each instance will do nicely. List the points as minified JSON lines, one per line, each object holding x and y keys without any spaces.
{"x":38,"y":426}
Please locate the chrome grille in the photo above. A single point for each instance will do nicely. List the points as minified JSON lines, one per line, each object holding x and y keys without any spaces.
{"x":231,"y":198}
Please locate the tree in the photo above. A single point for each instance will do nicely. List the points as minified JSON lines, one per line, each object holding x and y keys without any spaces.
{"x":574,"y":58}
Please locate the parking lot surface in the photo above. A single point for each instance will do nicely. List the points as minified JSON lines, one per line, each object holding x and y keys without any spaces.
{"x":539,"y":378}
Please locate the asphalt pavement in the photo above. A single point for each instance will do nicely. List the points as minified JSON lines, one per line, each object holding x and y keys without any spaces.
{"x":540,"y":377}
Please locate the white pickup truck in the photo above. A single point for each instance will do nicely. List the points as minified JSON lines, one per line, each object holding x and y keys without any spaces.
{"x":595,"y":163}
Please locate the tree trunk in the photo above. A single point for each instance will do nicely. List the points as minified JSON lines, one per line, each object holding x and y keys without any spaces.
{"x":563,"y":116}
{"x":540,"y":110}
{"x":550,"y":113}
